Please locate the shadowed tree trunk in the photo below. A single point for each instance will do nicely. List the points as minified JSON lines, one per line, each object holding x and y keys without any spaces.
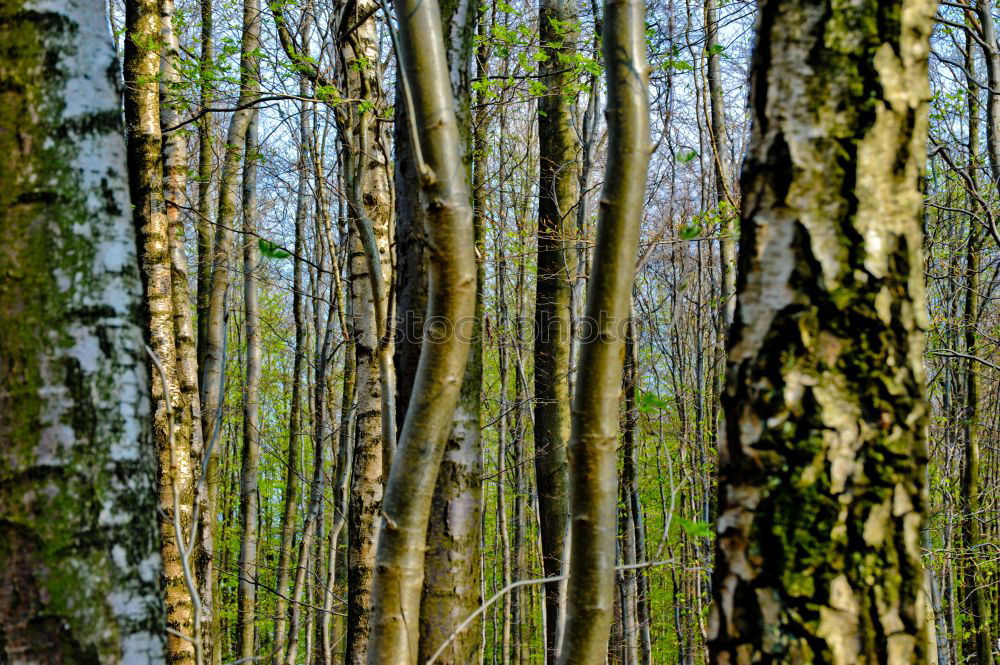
{"x":592,"y":479}
{"x":558,"y":194}
{"x":822,"y":467}
{"x":74,"y":386}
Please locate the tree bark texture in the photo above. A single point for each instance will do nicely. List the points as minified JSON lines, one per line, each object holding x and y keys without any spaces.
{"x":74,"y":386}
{"x":821,"y":473}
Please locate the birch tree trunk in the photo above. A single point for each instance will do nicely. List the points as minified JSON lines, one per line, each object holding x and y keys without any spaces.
{"x":367,"y":177}
{"x":171,"y":431}
{"x":594,"y":440}
{"x":821,"y":473}
{"x":74,"y":387}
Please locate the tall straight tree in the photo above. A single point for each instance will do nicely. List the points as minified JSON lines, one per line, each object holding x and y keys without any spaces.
{"x":367,"y":179}
{"x":594,"y":440}
{"x":558,"y":194}
{"x":249,"y":503}
{"x":822,"y":467}
{"x":171,"y":422}
{"x":295,"y":416}
{"x":79,"y":564}
{"x":215,"y":330}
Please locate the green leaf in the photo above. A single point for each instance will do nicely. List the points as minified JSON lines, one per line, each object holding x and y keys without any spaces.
{"x":687,"y":157}
{"x":691,"y":231}
{"x":695,"y":528}
{"x":271,"y":250}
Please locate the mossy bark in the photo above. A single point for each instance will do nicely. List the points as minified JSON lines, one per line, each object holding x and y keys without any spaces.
{"x":821,"y":476}
{"x":74,"y":387}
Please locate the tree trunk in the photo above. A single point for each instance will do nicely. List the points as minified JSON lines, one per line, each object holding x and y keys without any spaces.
{"x":452,"y":299}
{"x":213,"y":366}
{"x":720,"y":161}
{"x":74,"y":388}
{"x":452,"y":563}
{"x":247,"y":583}
{"x":593,"y":491}
{"x":558,"y":194}
{"x":822,"y":468}
{"x":367,"y":178}
{"x":974,"y":602}
{"x":295,"y":429}
{"x":171,"y":434}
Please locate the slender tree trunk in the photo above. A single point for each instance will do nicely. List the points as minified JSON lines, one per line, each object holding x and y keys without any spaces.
{"x":720,"y":161}
{"x":213,"y":366}
{"x":78,"y":504}
{"x":822,"y":468}
{"x":367,"y":178}
{"x":974,"y":602}
{"x":558,"y":195}
{"x":175,"y":166}
{"x":205,"y":535}
{"x":170,"y":435}
{"x":593,"y":492}
{"x":203,"y":223}
{"x":991,"y":55}
{"x":247,"y":584}
{"x":630,"y":504}
{"x":295,"y":429}
{"x":502,"y":469}
{"x":452,"y":299}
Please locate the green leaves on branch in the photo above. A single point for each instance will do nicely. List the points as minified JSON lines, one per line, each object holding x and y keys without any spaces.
{"x":271,"y":250}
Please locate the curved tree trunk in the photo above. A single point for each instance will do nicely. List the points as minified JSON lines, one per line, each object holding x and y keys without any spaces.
{"x":822,"y":467}
{"x":594,"y":440}
{"x":452,"y":299}
{"x":74,"y":405}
